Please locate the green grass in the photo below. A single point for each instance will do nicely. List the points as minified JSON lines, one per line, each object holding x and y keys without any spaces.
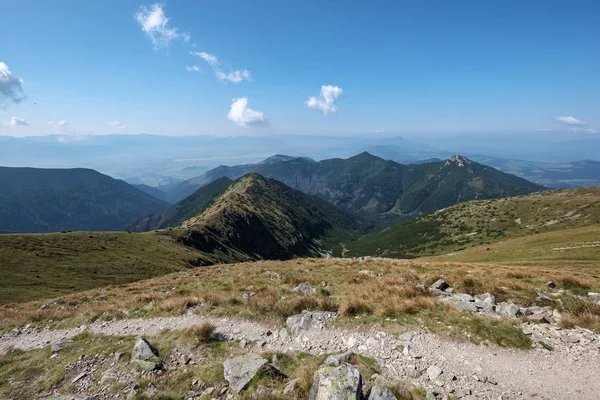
{"x":37,"y":266}
{"x":483,"y":222}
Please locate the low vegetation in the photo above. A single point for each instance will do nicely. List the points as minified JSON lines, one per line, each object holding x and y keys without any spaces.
{"x":385,"y":292}
{"x":24,"y":374}
{"x":483,"y":222}
{"x":37,"y":266}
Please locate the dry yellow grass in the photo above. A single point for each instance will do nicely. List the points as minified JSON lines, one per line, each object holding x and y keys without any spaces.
{"x":397,"y":295}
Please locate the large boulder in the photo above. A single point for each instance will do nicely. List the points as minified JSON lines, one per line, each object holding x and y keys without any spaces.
{"x":144,"y":356}
{"x":379,"y":392}
{"x":507,"y":309}
{"x":239,"y":371}
{"x":308,"y":320}
{"x":337,"y":383}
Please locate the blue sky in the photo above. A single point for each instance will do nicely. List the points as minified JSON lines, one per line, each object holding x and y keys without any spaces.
{"x":411,"y":68}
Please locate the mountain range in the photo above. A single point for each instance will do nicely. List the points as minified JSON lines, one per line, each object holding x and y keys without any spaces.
{"x":50,"y":200}
{"x":376,"y":188}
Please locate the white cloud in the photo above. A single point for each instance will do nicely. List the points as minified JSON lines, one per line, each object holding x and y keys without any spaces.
{"x":193,"y":68}
{"x":154,"y":23}
{"x":58,"y":123}
{"x":244,"y":116}
{"x":117,"y":124}
{"x":209,"y":58}
{"x":11,"y":87}
{"x":591,"y":130}
{"x":571,"y":121}
{"x":14,"y":121}
{"x":326,"y":100}
{"x":234,"y":76}
{"x":377,"y":130}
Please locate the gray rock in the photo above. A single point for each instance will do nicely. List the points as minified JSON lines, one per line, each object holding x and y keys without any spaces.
{"x":308,"y":320}
{"x":143,"y":350}
{"x":434,"y":372}
{"x":337,"y":359}
{"x":337,"y":383}
{"x":406,"y":336}
{"x":144,"y":356}
{"x":66,"y":397}
{"x":302,"y":288}
{"x":539,"y":318}
{"x":551,"y":284}
{"x":465,"y":305}
{"x":486,"y":297}
{"x":430,"y":396}
{"x":240,"y":371}
{"x":463,"y":297}
{"x":440,"y":284}
{"x":63,"y":344}
{"x":380,"y":393}
{"x":507,"y":309}
{"x":543,"y":297}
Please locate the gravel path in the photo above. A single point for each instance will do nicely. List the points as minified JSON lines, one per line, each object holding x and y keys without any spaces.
{"x":569,"y":372}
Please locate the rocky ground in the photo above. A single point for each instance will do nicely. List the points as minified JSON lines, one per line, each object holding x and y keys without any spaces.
{"x":565,"y":366}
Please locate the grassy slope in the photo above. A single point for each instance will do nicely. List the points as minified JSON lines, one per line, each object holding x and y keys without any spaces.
{"x":264,"y":218}
{"x":483,"y":222}
{"x":36,"y":266}
{"x":579,"y":247}
{"x":185,"y":209}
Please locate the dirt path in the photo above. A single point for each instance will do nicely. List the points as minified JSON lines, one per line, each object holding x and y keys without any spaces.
{"x":568,"y":372}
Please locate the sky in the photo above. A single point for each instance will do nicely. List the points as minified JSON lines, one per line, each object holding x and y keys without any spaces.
{"x":269,"y":67}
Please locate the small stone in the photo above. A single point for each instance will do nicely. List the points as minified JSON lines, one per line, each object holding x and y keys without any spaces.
{"x":434,"y":372}
{"x":551,"y":284}
{"x":79,"y":377}
{"x":243,"y":343}
{"x":337,"y":359}
{"x":302,"y":288}
{"x":440,"y":284}
{"x":117,"y":356}
{"x":539,"y":318}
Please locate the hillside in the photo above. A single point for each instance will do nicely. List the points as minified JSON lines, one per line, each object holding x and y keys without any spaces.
{"x":187,"y":208}
{"x":35,"y":266}
{"x":50,"y":200}
{"x":151,"y":190}
{"x":376,"y":188}
{"x":263,"y":218}
{"x":482,"y":222}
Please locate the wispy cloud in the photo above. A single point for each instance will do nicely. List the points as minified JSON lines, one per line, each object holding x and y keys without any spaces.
{"x":234,"y":76}
{"x":58,"y":123}
{"x":117,"y":124}
{"x":571,"y":121}
{"x":154,"y":23}
{"x":11,"y":87}
{"x":591,"y":130}
{"x":242,"y":115}
{"x":14,"y":121}
{"x":193,"y":68}
{"x":209,"y":58}
{"x":325,"y":102}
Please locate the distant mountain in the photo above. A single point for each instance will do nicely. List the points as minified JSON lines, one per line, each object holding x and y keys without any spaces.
{"x":152,"y":191}
{"x":257,"y":217}
{"x":478,"y":223}
{"x":575,"y":174}
{"x":189,"y":186}
{"x":49,"y":200}
{"x":187,"y":208}
{"x":373,"y":187}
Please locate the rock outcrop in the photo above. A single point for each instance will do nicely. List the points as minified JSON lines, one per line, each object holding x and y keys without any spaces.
{"x":337,"y":383}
